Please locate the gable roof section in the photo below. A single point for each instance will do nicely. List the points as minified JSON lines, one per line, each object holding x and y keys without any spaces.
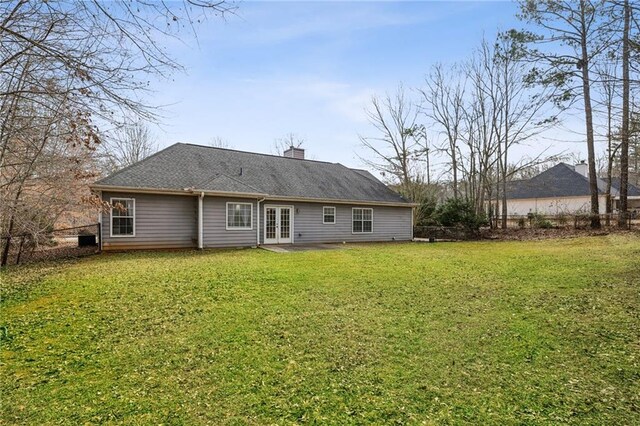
{"x":560,"y":180}
{"x":201,"y":168}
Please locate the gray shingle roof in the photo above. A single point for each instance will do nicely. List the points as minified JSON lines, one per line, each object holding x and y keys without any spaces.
{"x":632,"y":191}
{"x":206,"y":168}
{"x":560,"y":180}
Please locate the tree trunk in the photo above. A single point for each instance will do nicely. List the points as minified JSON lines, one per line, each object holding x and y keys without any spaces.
{"x":609,"y":200}
{"x":505,"y":162}
{"x":504,"y":166}
{"x":454,"y":166}
{"x":624,"y":140}
{"x":611,"y":153}
{"x":7,"y":245}
{"x":496,"y":209}
{"x":428,"y":170}
{"x":588,"y":112}
{"x":501,"y":189}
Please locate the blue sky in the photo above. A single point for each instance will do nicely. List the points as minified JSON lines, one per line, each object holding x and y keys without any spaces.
{"x":310,"y":68}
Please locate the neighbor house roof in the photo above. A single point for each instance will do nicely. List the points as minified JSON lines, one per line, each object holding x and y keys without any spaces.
{"x":560,"y":180}
{"x":186,"y":167}
{"x":632,"y":191}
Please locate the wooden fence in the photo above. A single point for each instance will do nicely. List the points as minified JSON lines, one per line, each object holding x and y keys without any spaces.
{"x":576,"y":221}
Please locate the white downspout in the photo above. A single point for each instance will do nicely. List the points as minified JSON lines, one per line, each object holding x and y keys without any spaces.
{"x":258,"y":222}
{"x":413,"y":210}
{"x":100,"y":223}
{"x":200,"y":221}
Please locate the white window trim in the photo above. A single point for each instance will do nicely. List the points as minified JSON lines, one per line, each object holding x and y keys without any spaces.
{"x":335,"y":218}
{"x":361,"y":208}
{"x":237,"y":228}
{"x":111,"y":217}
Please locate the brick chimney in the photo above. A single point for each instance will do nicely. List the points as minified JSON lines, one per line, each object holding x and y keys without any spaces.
{"x":582,"y":168}
{"x":294,"y":152}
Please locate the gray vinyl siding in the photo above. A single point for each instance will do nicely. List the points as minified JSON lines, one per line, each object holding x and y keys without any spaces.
{"x":170,"y":221}
{"x":389,"y":223}
{"x":215,"y":233}
{"x":161,"y":221}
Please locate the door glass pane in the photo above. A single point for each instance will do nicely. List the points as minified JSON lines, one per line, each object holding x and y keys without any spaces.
{"x":270,"y":226}
{"x":285,"y":215}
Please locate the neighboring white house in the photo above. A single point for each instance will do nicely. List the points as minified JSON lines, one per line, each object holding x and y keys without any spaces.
{"x":563,"y":189}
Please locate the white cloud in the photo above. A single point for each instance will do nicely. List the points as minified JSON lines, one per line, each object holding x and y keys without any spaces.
{"x":353,"y":106}
{"x":339,"y":98}
{"x":251,"y":113}
{"x":267,"y":24}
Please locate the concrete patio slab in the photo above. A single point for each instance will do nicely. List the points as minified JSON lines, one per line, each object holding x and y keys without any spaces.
{"x":291,"y":248}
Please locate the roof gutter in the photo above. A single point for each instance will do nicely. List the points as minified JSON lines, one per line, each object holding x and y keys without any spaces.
{"x":129,"y":189}
{"x":340,"y":201}
{"x":226,"y":193}
{"x":185,"y":191}
{"x":193,"y":191}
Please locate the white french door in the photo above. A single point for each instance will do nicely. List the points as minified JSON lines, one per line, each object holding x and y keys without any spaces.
{"x":278,"y":224}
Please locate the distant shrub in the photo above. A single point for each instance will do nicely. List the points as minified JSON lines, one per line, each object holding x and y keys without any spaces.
{"x":544,"y":224}
{"x":582,"y":220}
{"x":562,"y":219}
{"x":457,"y":212}
{"x":522,"y":223}
{"x":426,"y":212}
{"x":539,"y":221}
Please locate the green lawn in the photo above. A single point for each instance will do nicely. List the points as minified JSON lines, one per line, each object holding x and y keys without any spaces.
{"x":544,"y":332}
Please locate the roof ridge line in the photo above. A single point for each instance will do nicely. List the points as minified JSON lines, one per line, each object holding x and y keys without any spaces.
{"x":206,"y":181}
{"x":254,"y":153}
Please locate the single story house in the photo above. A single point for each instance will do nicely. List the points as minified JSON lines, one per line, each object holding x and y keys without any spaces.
{"x":199,"y":196}
{"x":563,"y":189}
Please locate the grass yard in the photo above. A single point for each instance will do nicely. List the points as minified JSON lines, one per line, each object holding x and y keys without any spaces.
{"x":543,"y":332}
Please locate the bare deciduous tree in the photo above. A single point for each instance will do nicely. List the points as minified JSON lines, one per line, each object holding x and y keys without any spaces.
{"x":478,"y":151}
{"x":106,"y":49}
{"x":444,"y":105}
{"x":131,"y":143}
{"x":218,"y":142}
{"x":523,"y":111}
{"x":626,"y":116}
{"x":47,"y":164}
{"x":396,"y":145}
{"x":289,"y":140}
{"x":634,"y":150}
{"x":609,"y":87}
{"x":398,"y":148}
{"x":67,"y":68}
